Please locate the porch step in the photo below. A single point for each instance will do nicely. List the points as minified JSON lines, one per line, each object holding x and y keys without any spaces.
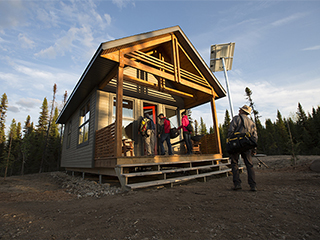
{"x":143,"y":175}
{"x":176,"y":180}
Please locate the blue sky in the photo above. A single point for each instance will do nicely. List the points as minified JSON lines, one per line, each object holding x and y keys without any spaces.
{"x":277,"y":47}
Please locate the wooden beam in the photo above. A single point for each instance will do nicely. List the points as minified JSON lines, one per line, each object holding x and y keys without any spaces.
{"x":151,"y":43}
{"x":119,"y":99}
{"x":108,"y":77}
{"x":156,"y":87}
{"x":216,"y":125}
{"x":166,"y":75}
{"x":175,"y":57}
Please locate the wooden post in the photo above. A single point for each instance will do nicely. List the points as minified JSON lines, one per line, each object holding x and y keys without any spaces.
{"x":119,"y":99}
{"x":216,"y":125}
{"x":175,"y":57}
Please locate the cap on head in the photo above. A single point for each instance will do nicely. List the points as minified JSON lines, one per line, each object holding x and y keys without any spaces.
{"x":246,"y":109}
{"x":160,"y":115}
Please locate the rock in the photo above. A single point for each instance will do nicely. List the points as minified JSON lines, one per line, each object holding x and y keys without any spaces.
{"x":83,"y":188}
{"x":315,"y":165}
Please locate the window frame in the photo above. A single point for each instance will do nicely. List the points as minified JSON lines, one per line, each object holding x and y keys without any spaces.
{"x":69,"y":131}
{"x":84,"y":123}
{"x":124,"y":118}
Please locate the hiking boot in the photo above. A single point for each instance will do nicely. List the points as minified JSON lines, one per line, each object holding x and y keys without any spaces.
{"x":237,"y":187}
{"x":253,"y":188}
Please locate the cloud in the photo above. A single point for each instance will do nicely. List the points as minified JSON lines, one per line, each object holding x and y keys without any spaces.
{"x":12,"y":14}
{"x":85,"y":31}
{"x":107,"y":17}
{"x":288,"y":20}
{"x":26,"y":42}
{"x":28,"y":102}
{"x":62,"y":45}
{"x":122,"y":3}
{"x":317,"y":47}
{"x":13,"y":109}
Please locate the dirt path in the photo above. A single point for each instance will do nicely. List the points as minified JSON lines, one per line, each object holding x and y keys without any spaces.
{"x":286,"y":206}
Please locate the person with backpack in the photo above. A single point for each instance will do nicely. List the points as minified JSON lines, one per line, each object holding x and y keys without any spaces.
{"x":242,"y":123}
{"x":185,"y":125}
{"x":147,"y":130}
{"x":164,"y":134}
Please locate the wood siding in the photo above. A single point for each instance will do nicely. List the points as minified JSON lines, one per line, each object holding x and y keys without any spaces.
{"x":80,"y":156}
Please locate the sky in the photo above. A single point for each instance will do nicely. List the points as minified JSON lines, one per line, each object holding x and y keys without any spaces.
{"x":277,"y":48}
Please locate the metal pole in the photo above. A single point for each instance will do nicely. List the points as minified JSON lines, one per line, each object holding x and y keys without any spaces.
{"x":227,"y":83}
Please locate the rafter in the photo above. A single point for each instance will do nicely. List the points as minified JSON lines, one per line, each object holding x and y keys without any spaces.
{"x":156,"y":87}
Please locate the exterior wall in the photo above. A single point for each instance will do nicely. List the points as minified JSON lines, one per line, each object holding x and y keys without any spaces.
{"x":80,"y":156}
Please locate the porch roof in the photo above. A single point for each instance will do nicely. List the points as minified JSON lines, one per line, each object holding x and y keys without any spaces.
{"x":100,"y":67}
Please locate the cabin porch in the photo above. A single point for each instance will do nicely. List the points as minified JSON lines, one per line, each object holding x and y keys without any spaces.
{"x":136,"y":172}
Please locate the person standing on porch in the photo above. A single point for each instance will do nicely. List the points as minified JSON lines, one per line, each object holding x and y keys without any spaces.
{"x":186,"y":133}
{"x":149,"y":137}
{"x":164,"y":134}
{"x":247,"y":125}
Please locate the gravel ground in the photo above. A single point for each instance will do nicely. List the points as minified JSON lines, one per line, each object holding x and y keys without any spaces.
{"x":58,"y":206}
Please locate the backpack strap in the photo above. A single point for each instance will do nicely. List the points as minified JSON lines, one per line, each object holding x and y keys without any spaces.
{"x":242,"y":121}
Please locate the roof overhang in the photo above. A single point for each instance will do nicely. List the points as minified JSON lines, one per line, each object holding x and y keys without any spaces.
{"x":99,"y":67}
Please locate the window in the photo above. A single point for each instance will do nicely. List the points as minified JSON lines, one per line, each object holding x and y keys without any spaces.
{"x":69,"y":134}
{"x":127,"y":117}
{"x":84,"y":124}
{"x":142,"y":75}
{"x":171,"y":114}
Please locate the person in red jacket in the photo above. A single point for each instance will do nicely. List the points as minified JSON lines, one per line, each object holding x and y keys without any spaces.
{"x":186,"y":133}
{"x":164,"y":134}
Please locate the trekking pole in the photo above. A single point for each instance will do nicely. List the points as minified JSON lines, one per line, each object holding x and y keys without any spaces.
{"x":262,"y":162}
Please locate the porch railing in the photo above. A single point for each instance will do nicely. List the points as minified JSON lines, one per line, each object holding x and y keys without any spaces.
{"x":105,"y":142}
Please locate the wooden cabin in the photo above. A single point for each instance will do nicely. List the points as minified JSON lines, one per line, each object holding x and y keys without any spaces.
{"x":154,"y":72}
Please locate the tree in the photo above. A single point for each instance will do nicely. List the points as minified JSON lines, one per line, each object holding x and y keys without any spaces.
{"x":3,"y":111}
{"x":48,"y":130}
{"x":251,"y":104}
{"x":224,"y":131}
{"x":270,"y":144}
{"x":282,"y":136}
{"x":13,"y":148}
{"x":27,"y":142}
{"x":203,"y":128}
{"x":196,"y":126}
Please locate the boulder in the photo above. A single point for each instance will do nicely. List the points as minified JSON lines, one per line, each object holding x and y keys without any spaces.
{"x":315,"y":165}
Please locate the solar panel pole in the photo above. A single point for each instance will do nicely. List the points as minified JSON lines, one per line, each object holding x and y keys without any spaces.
{"x":228,"y":88}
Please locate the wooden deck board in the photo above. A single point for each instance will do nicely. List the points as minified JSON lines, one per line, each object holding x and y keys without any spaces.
{"x":174,"y":180}
{"x":138,"y":174}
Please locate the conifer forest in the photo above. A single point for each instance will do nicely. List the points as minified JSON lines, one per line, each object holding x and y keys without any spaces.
{"x":27,"y":148}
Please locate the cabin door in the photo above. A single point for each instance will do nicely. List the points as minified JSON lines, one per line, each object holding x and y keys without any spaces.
{"x":152,"y":111}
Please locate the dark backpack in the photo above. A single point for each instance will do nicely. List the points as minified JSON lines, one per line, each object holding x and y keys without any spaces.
{"x":189,"y":127}
{"x":240,"y":142}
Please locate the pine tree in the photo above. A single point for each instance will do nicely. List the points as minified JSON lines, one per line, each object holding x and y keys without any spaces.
{"x":271,"y":146}
{"x":282,"y":136}
{"x":196,"y":127}
{"x":251,"y":104}
{"x":44,"y":154}
{"x":13,"y":147}
{"x":256,"y":119}
{"x":40,"y":140}
{"x":224,"y":131}
{"x":302,"y":131}
{"x":27,"y":143}
{"x":3,"y":111}
{"x":203,"y":128}
{"x":43,"y":118}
